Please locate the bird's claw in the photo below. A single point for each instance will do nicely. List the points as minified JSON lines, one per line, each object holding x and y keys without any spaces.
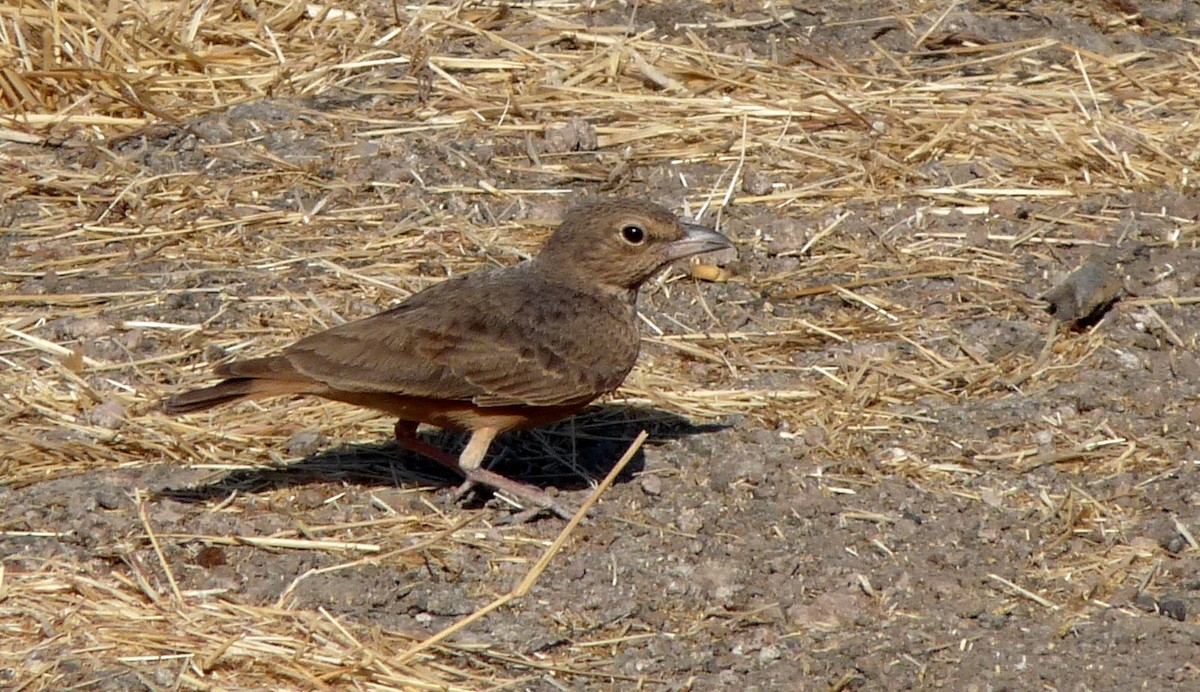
{"x":538,"y":500}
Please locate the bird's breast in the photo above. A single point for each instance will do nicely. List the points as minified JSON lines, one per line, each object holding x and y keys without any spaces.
{"x":594,"y":334}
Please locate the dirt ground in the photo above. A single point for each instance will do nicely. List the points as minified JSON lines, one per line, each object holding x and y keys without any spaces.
{"x":875,"y":459}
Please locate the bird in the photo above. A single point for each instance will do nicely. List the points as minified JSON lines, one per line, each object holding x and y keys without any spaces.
{"x":509,"y":348}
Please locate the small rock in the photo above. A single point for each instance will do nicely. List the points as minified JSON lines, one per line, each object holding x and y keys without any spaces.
{"x":109,"y":415}
{"x":1143,"y":545}
{"x":306,"y":443}
{"x":992,"y":497}
{"x":1185,"y":366}
{"x":87,"y":327}
{"x":575,"y":570}
{"x":1146,"y":602}
{"x":815,"y":436}
{"x":977,"y":235}
{"x":483,"y":153}
{"x":108,"y":497}
{"x":651,"y":485}
{"x":214,"y":353}
{"x":724,"y":593}
{"x":829,"y":609}
{"x":992,"y":622}
{"x":309,"y":498}
{"x":755,"y":182}
{"x":1173,"y":608}
{"x":576,"y":135}
{"x":1086,"y":294}
{"x":1009,"y":208}
{"x":769,"y":654}
{"x":133,"y":339}
{"x":689,"y":521}
{"x":1128,"y":360}
{"x":762,"y":436}
{"x":786,"y":236}
{"x":1174,"y":544}
{"x":210,"y":556}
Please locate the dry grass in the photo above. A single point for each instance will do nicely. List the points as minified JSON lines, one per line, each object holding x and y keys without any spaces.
{"x":106,"y":239}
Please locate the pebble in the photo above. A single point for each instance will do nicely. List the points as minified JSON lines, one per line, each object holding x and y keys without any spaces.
{"x":755,"y":182}
{"x":211,"y":556}
{"x":769,"y":654}
{"x":1145,"y":602}
{"x":109,"y":415}
{"x":306,"y":443}
{"x":1173,"y":608}
{"x":651,"y":485}
{"x":689,"y":521}
{"x":108,"y":498}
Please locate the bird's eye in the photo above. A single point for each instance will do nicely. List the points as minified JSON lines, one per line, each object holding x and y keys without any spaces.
{"x":634,"y":235}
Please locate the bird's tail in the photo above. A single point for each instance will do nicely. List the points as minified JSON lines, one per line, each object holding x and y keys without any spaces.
{"x":225,"y":392}
{"x":251,"y":379}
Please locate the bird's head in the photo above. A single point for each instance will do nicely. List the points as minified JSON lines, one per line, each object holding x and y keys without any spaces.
{"x":620,"y":243}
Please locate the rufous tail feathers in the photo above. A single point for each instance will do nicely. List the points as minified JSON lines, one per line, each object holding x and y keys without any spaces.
{"x":248,"y":379}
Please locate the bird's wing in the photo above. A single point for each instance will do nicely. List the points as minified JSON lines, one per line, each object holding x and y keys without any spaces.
{"x":484,"y":338}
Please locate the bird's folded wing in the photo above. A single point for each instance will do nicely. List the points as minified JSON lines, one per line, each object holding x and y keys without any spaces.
{"x":469,"y":354}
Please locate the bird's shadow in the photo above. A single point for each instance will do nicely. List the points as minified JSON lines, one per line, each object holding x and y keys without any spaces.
{"x":569,"y":455}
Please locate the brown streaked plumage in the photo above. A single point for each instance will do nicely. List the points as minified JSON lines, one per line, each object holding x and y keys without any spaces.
{"x":495,"y":350}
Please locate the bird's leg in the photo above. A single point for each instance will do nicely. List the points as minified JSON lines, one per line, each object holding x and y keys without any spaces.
{"x":468,"y":465}
{"x":406,"y":437}
{"x":471,"y":460}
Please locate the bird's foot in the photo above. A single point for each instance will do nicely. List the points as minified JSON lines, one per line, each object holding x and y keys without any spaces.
{"x":540,"y":500}
{"x":463,"y":490}
{"x":406,"y":437}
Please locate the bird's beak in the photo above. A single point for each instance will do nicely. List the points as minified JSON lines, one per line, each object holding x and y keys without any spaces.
{"x":696,"y":239}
